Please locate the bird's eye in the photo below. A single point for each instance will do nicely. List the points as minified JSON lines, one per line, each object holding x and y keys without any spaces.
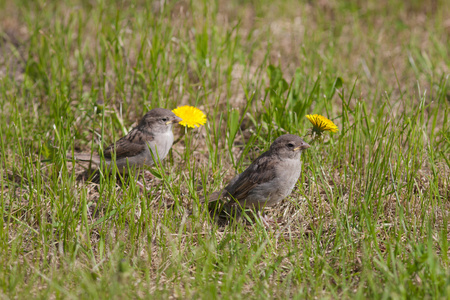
{"x":290,"y":145}
{"x":165,"y":119}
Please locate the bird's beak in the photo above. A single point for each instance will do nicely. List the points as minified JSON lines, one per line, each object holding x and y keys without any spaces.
{"x":175,"y":120}
{"x":302,"y":147}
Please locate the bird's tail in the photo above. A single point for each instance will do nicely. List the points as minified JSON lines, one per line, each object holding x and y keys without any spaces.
{"x":211,"y":198}
{"x":219,"y":207}
{"x":93,"y":158}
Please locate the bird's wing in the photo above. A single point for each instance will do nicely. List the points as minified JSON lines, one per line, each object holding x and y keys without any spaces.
{"x":130,"y":145}
{"x":260,"y":171}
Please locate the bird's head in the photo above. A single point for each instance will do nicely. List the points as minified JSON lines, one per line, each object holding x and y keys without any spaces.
{"x":289,"y":146}
{"x":159,"y":120}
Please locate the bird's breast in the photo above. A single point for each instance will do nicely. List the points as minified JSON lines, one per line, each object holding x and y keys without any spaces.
{"x":288,"y":172}
{"x":163,"y":142}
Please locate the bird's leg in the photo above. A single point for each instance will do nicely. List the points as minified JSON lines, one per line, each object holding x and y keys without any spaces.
{"x":138,"y":176}
{"x":139,"y":181}
{"x":266,"y":220}
{"x":140,"y":185}
{"x":148,"y":175}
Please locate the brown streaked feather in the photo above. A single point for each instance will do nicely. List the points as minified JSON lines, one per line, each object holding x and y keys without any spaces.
{"x":129,"y":145}
{"x":260,"y":171}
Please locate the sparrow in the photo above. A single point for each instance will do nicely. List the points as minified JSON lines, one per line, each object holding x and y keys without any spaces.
{"x":268,"y":180}
{"x":152,"y":135}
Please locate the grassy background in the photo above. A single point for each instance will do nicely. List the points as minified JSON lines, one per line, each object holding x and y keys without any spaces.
{"x":369,"y":217}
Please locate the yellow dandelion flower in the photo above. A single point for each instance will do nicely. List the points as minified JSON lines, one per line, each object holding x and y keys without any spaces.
{"x":191,"y":116}
{"x":321,"y":124}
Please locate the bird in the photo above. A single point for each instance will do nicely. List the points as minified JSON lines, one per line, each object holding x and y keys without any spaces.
{"x":269,"y":179}
{"x":146,"y":143}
